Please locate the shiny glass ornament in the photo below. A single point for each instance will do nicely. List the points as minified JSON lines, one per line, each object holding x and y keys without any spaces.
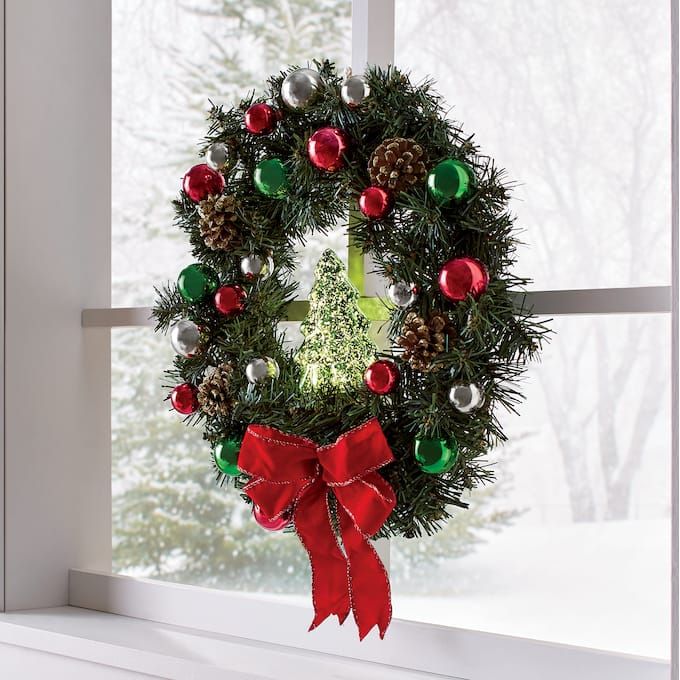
{"x":262,"y":369}
{"x":261,"y":119}
{"x":381,"y":376}
{"x":185,"y":338}
{"x":402,"y":294}
{"x":436,"y":455}
{"x":271,"y":178}
{"x":225,"y":455}
{"x":218,"y":157}
{"x":326,"y":148}
{"x":375,"y":202}
{"x":202,"y":181}
{"x":450,"y":180}
{"x":256,"y":267}
{"x":466,"y":397}
{"x":184,"y":399}
{"x":230,"y":300}
{"x":354,"y":90}
{"x":197,"y":281}
{"x":269,"y":524}
{"x":461,"y":277}
{"x":299,"y":87}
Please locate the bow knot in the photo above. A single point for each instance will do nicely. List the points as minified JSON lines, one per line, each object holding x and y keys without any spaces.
{"x":291,"y":474}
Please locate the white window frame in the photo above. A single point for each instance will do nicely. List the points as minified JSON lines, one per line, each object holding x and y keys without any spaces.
{"x":55,"y":463}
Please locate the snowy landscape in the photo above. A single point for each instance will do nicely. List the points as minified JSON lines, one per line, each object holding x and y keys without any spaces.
{"x":572,"y":544}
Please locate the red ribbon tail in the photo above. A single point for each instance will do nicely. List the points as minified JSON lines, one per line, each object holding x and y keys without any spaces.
{"x":369,"y":582}
{"x":330,"y":587}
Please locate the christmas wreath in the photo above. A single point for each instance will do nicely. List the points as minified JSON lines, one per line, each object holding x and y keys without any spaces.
{"x":340,"y":439}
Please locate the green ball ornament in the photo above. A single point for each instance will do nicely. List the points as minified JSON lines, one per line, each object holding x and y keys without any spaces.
{"x":436,"y":455}
{"x":271,"y":178}
{"x":197,"y":281}
{"x":225,"y":455}
{"x":450,"y":180}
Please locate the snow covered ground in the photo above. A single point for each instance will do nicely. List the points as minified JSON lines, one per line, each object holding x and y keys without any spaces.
{"x":598,"y":585}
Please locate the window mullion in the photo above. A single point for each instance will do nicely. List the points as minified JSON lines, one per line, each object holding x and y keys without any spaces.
{"x":642,"y":300}
{"x":372,"y":44}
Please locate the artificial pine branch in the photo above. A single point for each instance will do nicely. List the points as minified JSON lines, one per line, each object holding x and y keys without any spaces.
{"x":495,"y":338}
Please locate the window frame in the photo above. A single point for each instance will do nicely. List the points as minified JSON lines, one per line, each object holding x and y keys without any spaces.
{"x":55,"y":518}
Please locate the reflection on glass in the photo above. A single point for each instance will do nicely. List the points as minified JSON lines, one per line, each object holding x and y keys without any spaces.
{"x":573,"y":99}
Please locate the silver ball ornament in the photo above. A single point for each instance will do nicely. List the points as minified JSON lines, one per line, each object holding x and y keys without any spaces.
{"x":466,"y":397}
{"x":253,"y":266}
{"x":262,"y":369}
{"x":299,"y":87}
{"x":217,"y":156}
{"x":402,"y":294}
{"x":185,"y":338}
{"x":354,"y":90}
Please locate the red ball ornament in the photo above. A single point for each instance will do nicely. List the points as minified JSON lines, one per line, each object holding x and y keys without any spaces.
{"x":461,"y":277}
{"x":184,"y":399}
{"x":326,"y":147}
{"x":375,"y":203}
{"x":261,"y":119}
{"x":381,"y":376}
{"x":202,"y":181}
{"x":230,"y":300}
{"x":269,"y":524}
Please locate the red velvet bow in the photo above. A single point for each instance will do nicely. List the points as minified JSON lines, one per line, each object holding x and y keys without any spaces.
{"x":293,"y":474}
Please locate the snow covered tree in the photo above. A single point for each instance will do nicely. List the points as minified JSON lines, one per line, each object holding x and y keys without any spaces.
{"x":336,"y":350}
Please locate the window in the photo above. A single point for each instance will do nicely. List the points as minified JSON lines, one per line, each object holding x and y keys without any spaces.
{"x":575,"y":101}
{"x":169,"y":518}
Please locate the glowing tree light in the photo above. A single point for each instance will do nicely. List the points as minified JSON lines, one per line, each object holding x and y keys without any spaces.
{"x":336,"y":349}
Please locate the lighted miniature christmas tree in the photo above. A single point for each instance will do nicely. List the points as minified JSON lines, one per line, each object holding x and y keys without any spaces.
{"x":336,"y":349}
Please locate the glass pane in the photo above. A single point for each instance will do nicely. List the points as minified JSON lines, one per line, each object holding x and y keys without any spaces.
{"x":170,"y":520}
{"x":572,"y":543}
{"x":170,"y":59}
{"x":573,"y":99}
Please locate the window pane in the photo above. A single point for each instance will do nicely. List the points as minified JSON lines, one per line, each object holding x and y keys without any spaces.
{"x":170,"y":519}
{"x":573,"y":99}
{"x":572,"y":543}
{"x":170,"y":59}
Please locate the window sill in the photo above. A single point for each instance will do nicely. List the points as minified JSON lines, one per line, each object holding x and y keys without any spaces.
{"x":427,"y":651}
{"x":167,"y":651}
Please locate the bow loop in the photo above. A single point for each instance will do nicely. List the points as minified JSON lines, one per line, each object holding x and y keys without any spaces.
{"x":274,"y":498}
{"x":289,"y":458}
{"x":291,"y":473}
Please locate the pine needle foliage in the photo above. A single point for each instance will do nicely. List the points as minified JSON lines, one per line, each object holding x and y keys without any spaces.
{"x":495,"y":338}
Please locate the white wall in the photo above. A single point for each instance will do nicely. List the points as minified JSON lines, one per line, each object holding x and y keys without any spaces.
{"x":57,"y":501}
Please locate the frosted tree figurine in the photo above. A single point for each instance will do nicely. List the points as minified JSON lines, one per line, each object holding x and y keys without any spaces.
{"x":336,"y":350}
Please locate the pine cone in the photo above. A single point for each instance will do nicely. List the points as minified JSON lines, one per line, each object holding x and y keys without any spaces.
{"x":423,"y":339}
{"x":215,"y":395}
{"x":220,"y":224}
{"x":397,"y":164}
